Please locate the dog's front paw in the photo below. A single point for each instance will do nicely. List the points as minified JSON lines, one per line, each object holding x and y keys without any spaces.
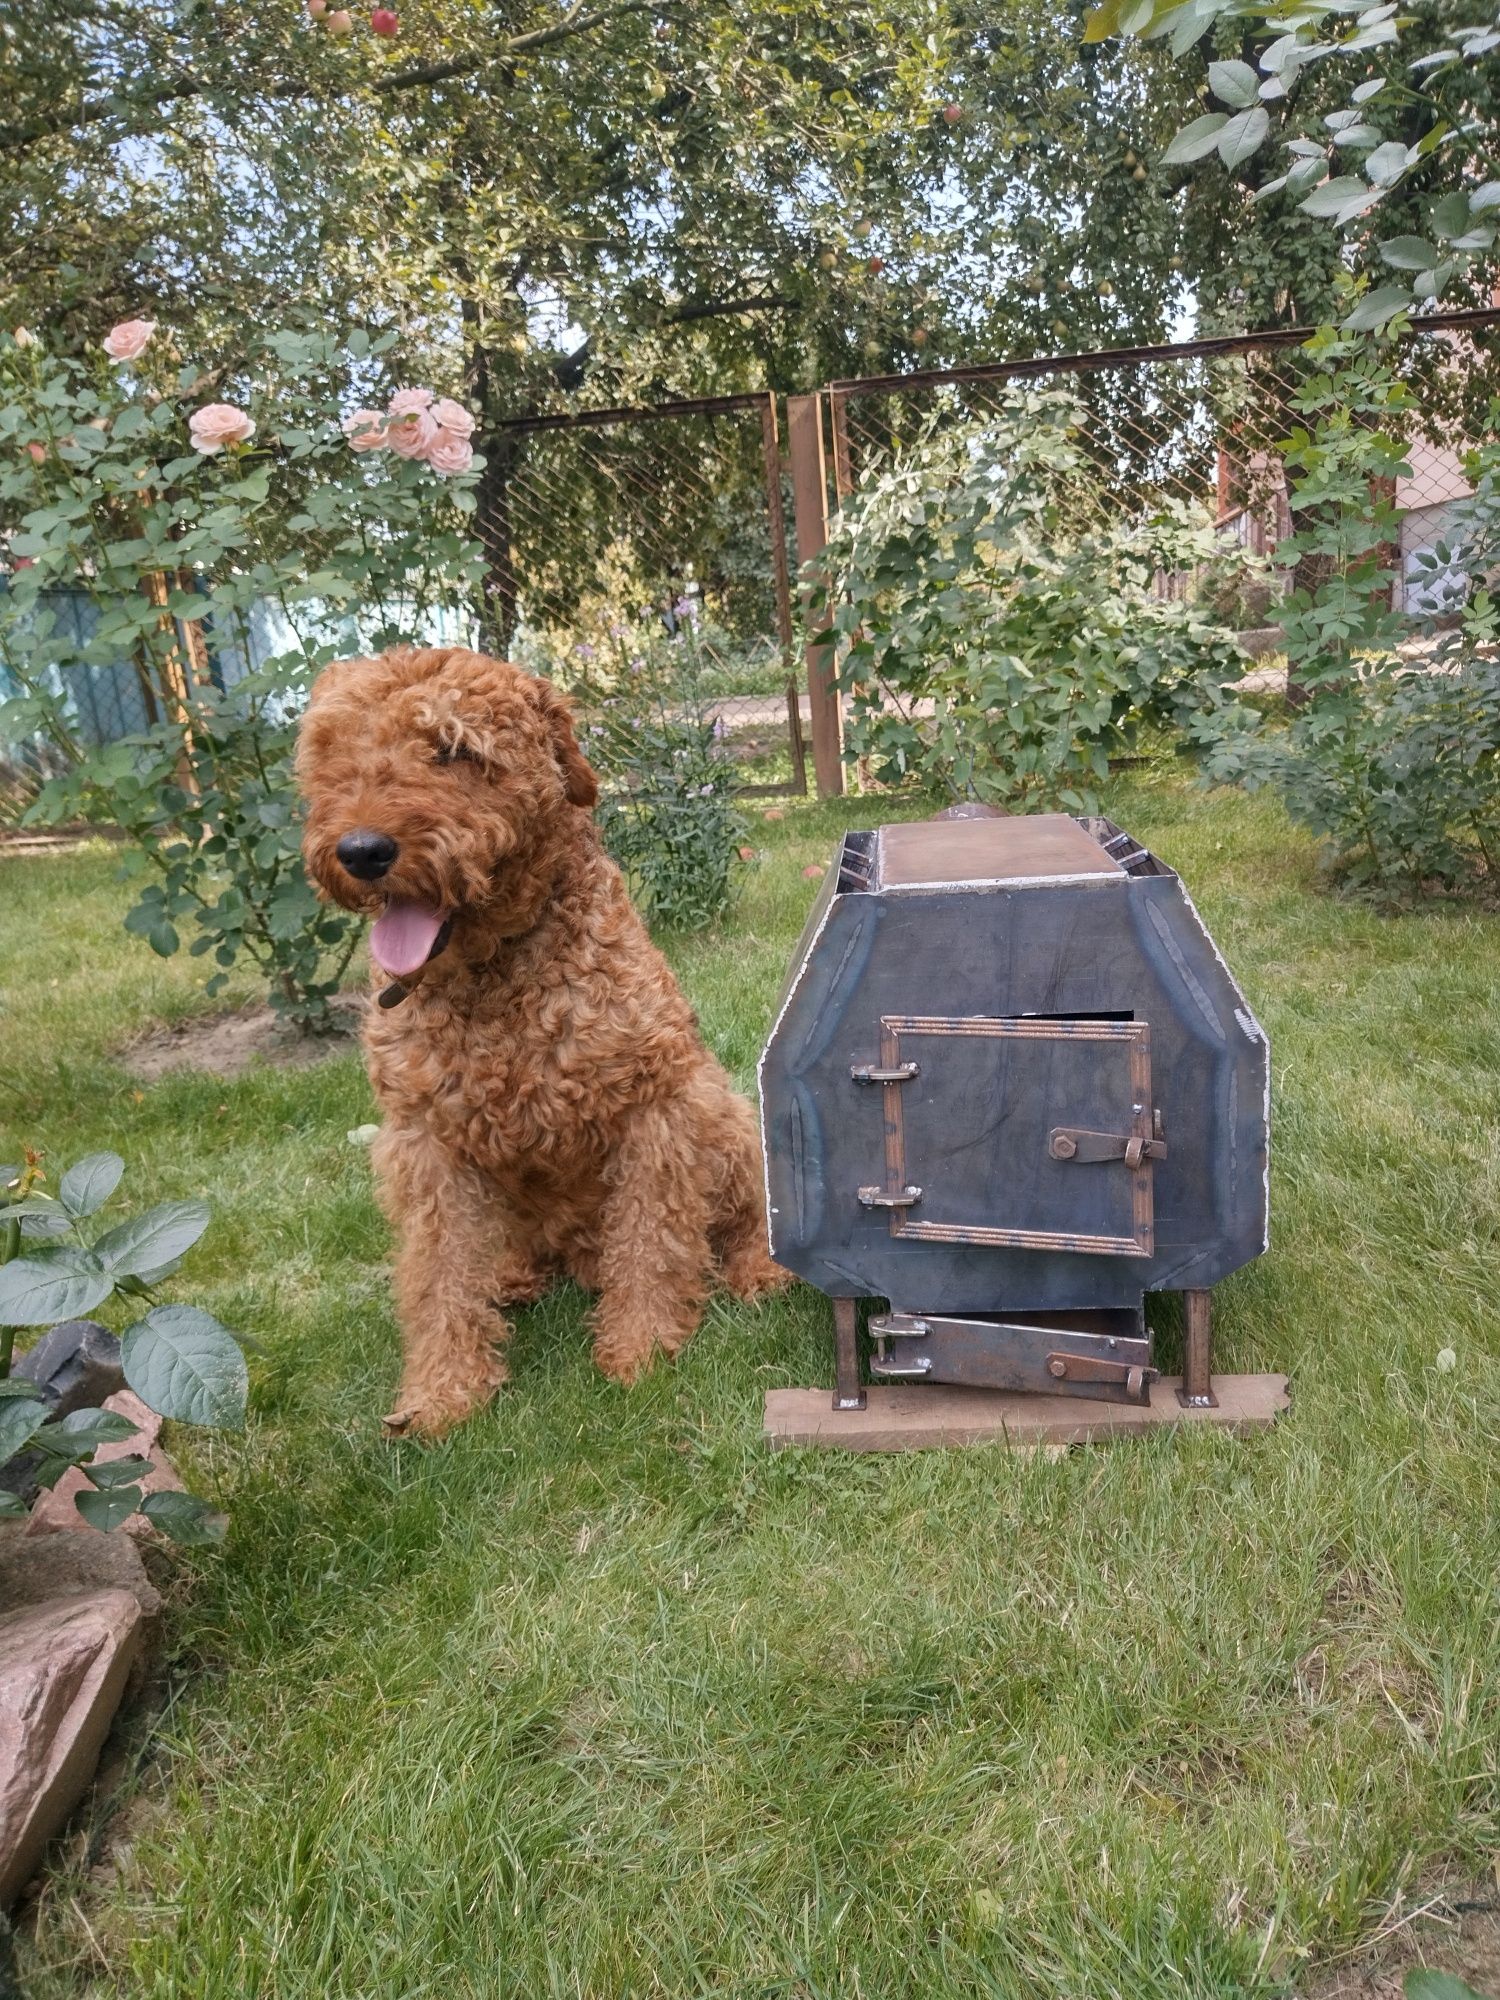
{"x":750,"y":1274}
{"x":626,"y":1361}
{"x":431,"y":1416}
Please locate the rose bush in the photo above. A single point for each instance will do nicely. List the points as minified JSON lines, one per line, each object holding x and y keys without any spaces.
{"x":190,"y":523}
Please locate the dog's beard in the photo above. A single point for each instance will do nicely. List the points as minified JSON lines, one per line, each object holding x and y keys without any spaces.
{"x":406,"y":934}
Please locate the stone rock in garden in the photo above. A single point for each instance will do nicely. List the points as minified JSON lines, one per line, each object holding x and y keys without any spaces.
{"x":34,"y":1568}
{"x":63,"y":1669}
{"x":57,"y":1509}
{"x":74,"y":1367}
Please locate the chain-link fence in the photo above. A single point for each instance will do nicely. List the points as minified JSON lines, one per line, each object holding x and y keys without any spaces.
{"x":648,"y":547}
{"x":654,"y":542}
{"x":1198,"y":426}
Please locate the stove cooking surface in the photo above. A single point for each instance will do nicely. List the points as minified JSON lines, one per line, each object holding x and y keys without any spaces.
{"x":1041,"y":847}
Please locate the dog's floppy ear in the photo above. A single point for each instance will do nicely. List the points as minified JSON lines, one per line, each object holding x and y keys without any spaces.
{"x":578,"y":773}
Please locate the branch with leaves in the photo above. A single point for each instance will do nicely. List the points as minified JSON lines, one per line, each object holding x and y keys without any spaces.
{"x":1418,"y":119}
{"x":138,"y":111}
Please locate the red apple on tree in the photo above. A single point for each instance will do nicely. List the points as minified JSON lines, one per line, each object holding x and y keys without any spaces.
{"x":952,"y":113}
{"x":384,"y":21}
{"x":875,"y":265}
{"x":317,"y":8}
{"x":341,"y":22}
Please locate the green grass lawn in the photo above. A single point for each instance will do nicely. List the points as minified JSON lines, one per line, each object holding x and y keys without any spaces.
{"x":601,"y":1699}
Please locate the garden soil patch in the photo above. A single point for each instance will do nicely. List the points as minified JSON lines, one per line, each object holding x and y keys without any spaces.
{"x":225,"y":1045}
{"x":1459,"y":1935}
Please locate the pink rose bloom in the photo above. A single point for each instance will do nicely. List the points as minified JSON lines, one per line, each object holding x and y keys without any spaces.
{"x":411,"y":434}
{"x":125,"y":341}
{"x":451,"y":416}
{"x":405,"y":401}
{"x":218,"y":424}
{"x":448,"y":454}
{"x":365,"y":430}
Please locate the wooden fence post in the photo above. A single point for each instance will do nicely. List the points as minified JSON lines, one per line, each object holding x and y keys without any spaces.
{"x":810,"y":501}
{"x":781,"y":574}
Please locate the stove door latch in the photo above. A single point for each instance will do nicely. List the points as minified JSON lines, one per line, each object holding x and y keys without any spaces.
{"x":1068,"y":1142}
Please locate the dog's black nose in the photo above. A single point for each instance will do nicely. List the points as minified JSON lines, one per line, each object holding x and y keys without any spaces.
{"x":367,"y":855}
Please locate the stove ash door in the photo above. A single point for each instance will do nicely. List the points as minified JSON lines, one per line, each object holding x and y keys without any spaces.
{"x":1021,"y":1133}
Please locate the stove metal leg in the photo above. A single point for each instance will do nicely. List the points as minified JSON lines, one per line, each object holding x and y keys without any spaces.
{"x":1196,"y":1392}
{"x":847,"y":1394}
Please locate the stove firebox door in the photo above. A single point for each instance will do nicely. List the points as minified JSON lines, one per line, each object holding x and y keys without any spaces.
{"x":1023,"y":1133}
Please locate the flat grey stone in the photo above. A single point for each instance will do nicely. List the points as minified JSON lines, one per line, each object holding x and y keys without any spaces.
{"x":76,"y":1366}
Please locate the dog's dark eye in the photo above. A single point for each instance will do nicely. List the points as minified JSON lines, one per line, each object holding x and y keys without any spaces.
{"x":454,"y":753}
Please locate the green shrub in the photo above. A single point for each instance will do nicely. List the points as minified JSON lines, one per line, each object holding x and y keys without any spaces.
{"x":993,"y":635}
{"x":628,"y":614}
{"x":1392,"y":752}
{"x":667,"y":811}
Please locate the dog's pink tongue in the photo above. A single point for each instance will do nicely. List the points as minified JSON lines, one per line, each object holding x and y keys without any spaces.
{"x":402,"y":939}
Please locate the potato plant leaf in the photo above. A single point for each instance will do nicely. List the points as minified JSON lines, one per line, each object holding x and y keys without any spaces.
{"x":107,"y":1509}
{"x":185,"y":1519}
{"x":146,"y":1242}
{"x":184,"y":1365}
{"x":36,"y":1294}
{"x":19,"y":1422}
{"x":90,"y":1182}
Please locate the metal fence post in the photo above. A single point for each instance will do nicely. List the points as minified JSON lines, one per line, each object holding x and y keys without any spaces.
{"x":810,"y":500}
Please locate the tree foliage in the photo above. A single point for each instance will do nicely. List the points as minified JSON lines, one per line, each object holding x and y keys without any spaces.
{"x":618,"y":202}
{"x":1384,"y":125}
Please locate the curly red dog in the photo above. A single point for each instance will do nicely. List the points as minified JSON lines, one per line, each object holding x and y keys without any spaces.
{"x":549,"y":1104}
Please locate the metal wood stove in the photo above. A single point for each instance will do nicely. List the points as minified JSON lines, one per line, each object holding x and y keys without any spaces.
{"x":1011,"y":1088}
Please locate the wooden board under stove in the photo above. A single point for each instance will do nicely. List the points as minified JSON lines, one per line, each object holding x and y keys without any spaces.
{"x":928,"y":1416}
